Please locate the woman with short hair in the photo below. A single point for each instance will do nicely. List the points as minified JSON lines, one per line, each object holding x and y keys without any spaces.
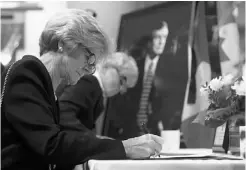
{"x":32,"y":138}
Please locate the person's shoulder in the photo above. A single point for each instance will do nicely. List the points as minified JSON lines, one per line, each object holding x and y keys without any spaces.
{"x":28,"y":62}
{"x":89,"y":79}
{"x":89,"y":82}
{"x":29,"y":71}
{"x":87,"y":86}
{"x":29,"y":66}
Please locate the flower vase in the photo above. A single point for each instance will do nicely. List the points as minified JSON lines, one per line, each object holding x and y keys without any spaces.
{"x":242,"y":131}
{"x":234,"y":138}
{"x":221,"y":139}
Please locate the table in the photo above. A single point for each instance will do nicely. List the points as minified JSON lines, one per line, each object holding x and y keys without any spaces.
{"x":169,"y":164}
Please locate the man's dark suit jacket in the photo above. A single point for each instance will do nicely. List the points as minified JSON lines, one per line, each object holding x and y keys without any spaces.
{"x":2,"y":68}
{"x":31,"y":135}
{"x":166,"y":97}
{"x":81,"y":103}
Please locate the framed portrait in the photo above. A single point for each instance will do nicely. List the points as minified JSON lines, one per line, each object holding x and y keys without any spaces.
{"x":140,"y":23}
{"x":171,"y":71}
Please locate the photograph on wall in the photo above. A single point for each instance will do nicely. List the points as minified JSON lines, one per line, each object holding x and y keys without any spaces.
{"x":157,"y":38}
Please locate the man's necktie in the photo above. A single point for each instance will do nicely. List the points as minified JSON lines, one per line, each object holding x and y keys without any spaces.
{"x":142,"y":116}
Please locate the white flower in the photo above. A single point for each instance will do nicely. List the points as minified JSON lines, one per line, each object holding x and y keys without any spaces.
{"x":216,"y":84}
{"x":204,"y":91}
{"x":240,"y":88}
{"x":228,"y":79}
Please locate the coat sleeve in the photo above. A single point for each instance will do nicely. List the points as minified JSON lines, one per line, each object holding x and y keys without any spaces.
{"x":30,"y":112}
{"x":81,"y":103}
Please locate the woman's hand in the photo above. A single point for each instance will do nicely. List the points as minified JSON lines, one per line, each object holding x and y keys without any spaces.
{"x":143,"y":146}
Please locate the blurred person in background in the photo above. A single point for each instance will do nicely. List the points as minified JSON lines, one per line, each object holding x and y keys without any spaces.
{"x":83,"y":102}
{"x":32,"y":137}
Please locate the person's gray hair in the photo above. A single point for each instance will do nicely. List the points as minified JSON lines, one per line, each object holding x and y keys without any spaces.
{"x":74,"y":28}
{"x":124,"y":64}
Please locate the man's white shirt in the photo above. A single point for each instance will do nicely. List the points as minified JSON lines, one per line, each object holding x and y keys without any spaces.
{"x":96,"y":74}
{"x":148,"y":61}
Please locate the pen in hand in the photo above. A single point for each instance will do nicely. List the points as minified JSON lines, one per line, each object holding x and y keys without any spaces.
{"x":147,"y":131}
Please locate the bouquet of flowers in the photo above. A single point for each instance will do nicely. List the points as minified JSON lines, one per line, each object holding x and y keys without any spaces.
{"x":226,"y":97}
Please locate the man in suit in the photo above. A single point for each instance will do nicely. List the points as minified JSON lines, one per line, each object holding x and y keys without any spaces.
{"x":2,"y":68}
{"x":147,"y":67}
{"x":151,"y":101}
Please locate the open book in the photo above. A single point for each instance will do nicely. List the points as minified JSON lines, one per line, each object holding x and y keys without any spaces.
{"x":194,"y":154}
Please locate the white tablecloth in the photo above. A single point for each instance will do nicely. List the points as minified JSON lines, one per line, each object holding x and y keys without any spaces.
{"x":167,"y":165}
{"x":181,"y":164}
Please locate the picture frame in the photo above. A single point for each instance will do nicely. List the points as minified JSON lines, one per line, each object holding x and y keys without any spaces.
{"x":139,"y":23}
{"x":133,"y":25}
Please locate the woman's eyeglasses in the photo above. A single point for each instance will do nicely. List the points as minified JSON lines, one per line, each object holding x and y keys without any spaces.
{"x":90,"y":67}
{"x":91,"y":62}
{"x":123,"y":85}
